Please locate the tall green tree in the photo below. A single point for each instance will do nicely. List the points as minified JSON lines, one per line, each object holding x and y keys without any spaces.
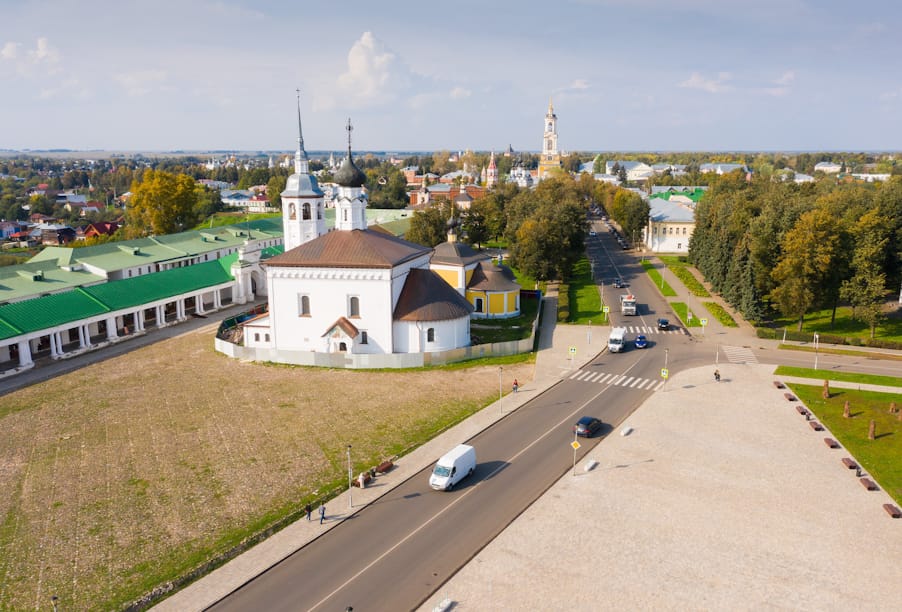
{"x":804,"y":268}
{"x":865,"y":290}
{"x":429,"y":227}
{"x":161,"y":203}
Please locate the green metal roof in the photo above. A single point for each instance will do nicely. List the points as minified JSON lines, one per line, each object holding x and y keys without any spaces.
{"x":84,"y":302}
{"x":37,"y":278}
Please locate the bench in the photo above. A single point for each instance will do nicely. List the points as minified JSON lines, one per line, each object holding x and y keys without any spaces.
{"x":831,"y":443}
{"x":779,"y":385}
{"x":892,"y":510}
{"x":868,"y":484}
{"x":801,"y":410}
{"x":815,"y":426}
{"x":849,"y":463}
{"x":789,"y":396}
{"x":384,"y":467}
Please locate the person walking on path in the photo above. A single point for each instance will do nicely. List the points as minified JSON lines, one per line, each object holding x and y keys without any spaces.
{"x":717,"y":375}
{"x":516,"y":385}
{"x":322,"y":513}
{"x":309,"y":510}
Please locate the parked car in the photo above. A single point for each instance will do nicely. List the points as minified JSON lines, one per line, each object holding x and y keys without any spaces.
{"x":587,"y":427}
{"x":641,"y":341}
{"x":663,"y":324}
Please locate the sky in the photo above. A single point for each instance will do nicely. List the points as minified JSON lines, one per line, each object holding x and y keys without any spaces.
{"x":623,"y":75}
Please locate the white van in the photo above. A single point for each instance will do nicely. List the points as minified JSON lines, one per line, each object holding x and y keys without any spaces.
{"x":452,"y":467}
{"x":617,"y":340}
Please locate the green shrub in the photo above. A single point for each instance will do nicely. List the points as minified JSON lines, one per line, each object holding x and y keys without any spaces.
{"x":718,"y":312}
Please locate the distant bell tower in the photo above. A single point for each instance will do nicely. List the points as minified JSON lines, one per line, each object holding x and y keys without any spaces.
{"x":551,"y":158}
{"x":491,"y":175}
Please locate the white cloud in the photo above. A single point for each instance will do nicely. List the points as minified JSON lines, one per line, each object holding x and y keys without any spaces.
{"x":44,"y":53}
{"x":579,"y":84}
{"x":715,"y":85}
{"x":374,"y":75}
{"x":141,"y":83}
{"x":10,"y":51}
{"x":458,"y":93}
{"x":786,"y":78}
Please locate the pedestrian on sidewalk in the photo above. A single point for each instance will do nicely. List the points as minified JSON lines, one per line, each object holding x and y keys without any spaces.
{"x":309,"y":510}
{"x":516,"y":385}
{"x":716,"y":375}
{"x":322,"y":513}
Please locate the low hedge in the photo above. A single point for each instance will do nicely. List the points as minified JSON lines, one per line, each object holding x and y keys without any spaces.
{"x":563,"y":303}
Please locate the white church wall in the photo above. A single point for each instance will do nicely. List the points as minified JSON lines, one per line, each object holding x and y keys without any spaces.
{"x":329,"y":292}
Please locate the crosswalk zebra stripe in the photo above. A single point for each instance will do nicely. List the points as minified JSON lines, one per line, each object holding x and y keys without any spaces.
{"x":739,"y":354}
{"x":626,"y":383}
{"x":607,"y":378}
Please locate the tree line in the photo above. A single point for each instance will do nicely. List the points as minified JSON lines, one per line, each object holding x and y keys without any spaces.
{"x":774,"y":247}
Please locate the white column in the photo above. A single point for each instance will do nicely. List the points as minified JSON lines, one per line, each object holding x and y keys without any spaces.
{"x":199,"y":303}
{"x":179,"y":309}
{"x":161,"y":315}
{"x":82,"y":337}
{"x":24,"y":353}
{"x":55,"y":344}
{"x":111,"y":333}
{"x":217,"y":300}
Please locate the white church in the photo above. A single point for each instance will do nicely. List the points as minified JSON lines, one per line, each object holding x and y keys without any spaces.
{"x":352,"y":296}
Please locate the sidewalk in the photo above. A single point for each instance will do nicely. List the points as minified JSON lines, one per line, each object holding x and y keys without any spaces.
{"x":554,"y":361}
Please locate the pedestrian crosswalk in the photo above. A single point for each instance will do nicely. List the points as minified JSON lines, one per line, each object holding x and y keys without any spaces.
{"x":619,"y":380}
{"x":642,"y":329}
{"x":739,"y":354}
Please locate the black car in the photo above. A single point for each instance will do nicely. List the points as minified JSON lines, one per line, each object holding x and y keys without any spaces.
{"x":618,"y":283}
{"x":587,"y":427}
{"x":663,"y":324}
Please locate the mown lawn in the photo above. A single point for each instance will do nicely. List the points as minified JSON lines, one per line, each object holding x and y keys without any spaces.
{"x":680,"y":267}
{"x":655,"y":276}
{"x":585,"y":299}
{"x":868,"y":379}
{"x":845,"y":325}
{"x":881,"y":457}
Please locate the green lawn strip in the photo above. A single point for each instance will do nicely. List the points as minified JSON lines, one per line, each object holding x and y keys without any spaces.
{"x":680,"y":269}
{"x":865,"y":379}
{"x":681,"y":310}
{"x":882,"y":457}
{"x":665,"y":289}
{"x":844,"y":325}
{"x":837,"y":351}
{"x":717,"y":311}
{"x":487,"y":331}
{"x":585,"y":300}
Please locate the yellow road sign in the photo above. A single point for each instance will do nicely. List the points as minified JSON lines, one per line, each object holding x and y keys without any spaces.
{"x":575,"y":445}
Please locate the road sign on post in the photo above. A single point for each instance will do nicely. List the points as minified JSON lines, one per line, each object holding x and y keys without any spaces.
{"x":664,"y":373}
{"x":704,"y":323}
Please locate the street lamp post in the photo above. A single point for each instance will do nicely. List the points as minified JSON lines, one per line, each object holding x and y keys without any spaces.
{"x":816,"y":340}
{"x":500,"y":391}
{"x":350,"y":478}
{"x":53,"y":601}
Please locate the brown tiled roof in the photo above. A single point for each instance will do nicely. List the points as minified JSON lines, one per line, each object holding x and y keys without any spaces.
{"x":489,"y":277}
{"x":346,"y":326}
{"x":427,"y":297}
{"x":350,"y":249}
{"x":456,"y":253}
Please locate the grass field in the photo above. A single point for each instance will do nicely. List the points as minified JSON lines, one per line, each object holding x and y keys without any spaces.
{"x":585,"y":300}
{"x":881,"y":457}
{"x":655,"y":276}
{"x":868,"y":379}
{"x":844,"y":325}
{"x":127,"y":473}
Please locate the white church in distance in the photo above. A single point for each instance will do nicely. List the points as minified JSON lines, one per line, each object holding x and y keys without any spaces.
{"x":352,"y":296}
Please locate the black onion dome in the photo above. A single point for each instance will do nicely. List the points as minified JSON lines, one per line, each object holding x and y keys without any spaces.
{"x":349,"y":175}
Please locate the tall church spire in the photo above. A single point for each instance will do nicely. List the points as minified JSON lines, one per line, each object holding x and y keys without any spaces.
{"x":301,"y":164}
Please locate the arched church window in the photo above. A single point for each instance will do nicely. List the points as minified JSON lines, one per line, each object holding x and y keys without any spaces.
{"x":478,"y":305}
{"x":306,"y":211}
{"x":319,"y":211}
{"x":344,"y":214}
{"x":304,"y":306}
{"x":354,"y":306}
{"x":430,"y":334}
{"x":292,"y":213}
